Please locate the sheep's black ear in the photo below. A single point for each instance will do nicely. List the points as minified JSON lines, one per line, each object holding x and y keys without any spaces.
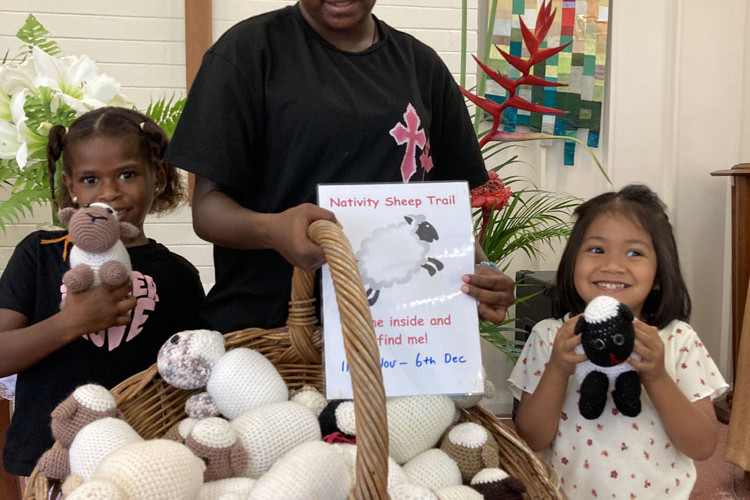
{"x":580,"y":326}
{"x":408,"y":219}
{"x":624,"y":312}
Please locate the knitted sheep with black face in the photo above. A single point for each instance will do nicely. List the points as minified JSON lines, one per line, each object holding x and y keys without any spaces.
{"x":86,"y":404}
{"x":98,"y":254}
{"x":607,"y":339}
{"x":337,"y":423}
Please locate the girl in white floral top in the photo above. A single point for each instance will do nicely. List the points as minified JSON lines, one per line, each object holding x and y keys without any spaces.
{"x":622,"y":246}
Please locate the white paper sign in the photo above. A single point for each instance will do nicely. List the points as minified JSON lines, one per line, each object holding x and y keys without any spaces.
{"x":413,"y":242}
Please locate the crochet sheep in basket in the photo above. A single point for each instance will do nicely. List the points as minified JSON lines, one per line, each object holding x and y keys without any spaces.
{"x":236,"y":381}
{"x":607,"y":338}
{"x":243,"y":386}
{"x":274,"y":450}
{"x":98,"y":254}
{"x":86,"y":404}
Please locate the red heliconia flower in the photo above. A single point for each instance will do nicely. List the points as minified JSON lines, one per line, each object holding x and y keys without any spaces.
{"x":533,"y":41}
{"x":490,"y":196}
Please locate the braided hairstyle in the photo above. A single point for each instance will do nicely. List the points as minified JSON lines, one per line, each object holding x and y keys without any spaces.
{"x":124,"y":124}
{"x":638,"y":203}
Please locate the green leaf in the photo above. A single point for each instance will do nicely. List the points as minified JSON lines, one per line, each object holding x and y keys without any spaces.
{"x":166,"y":112}
{"x":497,"y":335}
{"x":34,"y":34}
{"x":21,"y":203}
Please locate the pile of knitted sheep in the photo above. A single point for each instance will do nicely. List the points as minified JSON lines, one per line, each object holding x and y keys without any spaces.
{"x":248,"y":437}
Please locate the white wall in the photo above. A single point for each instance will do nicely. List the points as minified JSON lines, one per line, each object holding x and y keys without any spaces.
{"x":678,"y":108}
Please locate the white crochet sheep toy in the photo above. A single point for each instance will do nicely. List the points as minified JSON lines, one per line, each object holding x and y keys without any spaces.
{"x":98,"y":254}
{"x":95,"y":441}
{"x":236,"y":381}
{"x":282,"y":439}
{"x":156,"y":469}
{"x":416,"y":423}
{"x":244,"y":387}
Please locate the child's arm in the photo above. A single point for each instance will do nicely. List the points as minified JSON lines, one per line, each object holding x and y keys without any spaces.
{"x":539,"y":413}
{"x":24,"y":345}
{"x":692,"y":426}
{"x":221,"y":220}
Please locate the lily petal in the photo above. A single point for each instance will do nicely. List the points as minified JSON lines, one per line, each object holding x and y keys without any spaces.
{"x":50,"y":71}
{"x":22,"y":155}
{"x":9,"y":142}
{"x":17,"y":113}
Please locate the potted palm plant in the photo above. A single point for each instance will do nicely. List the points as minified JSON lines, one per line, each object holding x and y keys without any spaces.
{"x":512,"y":215}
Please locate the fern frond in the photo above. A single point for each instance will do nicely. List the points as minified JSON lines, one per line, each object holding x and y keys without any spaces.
{"x":166,"y":112}
{"x":20,"y":204}
{"x":32,"y":33}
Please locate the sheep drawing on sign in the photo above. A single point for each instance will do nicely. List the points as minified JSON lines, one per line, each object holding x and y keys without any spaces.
{"x":395,"y":253}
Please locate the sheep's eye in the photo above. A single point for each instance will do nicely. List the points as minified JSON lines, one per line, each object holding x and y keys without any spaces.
{"x":618,"y":339}
{"x":110,"y":211}
{"x":598,"y":344}
{"x":175,"y":339}
{"x":87,"y":205}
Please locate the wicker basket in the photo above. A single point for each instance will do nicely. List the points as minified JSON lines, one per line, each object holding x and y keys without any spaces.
{"x":152,"y":407}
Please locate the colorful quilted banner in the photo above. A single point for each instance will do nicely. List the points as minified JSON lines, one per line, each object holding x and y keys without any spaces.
{"x":581,"y":66}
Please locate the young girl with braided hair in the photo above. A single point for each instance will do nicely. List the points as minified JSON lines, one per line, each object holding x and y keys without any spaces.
{"x":107,"y":333}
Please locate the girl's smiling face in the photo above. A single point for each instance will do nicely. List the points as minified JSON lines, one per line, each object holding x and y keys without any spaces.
{"x":616,"y":258}
{"x":112,"y":170}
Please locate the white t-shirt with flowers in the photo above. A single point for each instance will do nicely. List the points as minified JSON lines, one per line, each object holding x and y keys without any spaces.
{"x":615,"y":456}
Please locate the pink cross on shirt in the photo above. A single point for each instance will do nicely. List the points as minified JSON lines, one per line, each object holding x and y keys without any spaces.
{"x":412,"y":136}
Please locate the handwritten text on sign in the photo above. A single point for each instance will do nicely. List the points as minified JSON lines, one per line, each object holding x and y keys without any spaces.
{"x":413,"y":242}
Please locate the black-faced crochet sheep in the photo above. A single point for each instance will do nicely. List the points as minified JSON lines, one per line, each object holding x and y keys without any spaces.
{"x":607,"y":338}
{"x":395,"y":253}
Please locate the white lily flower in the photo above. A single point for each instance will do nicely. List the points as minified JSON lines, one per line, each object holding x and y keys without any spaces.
{"x":22,"y":155}
{"x":15,"y":77}
{"x":30,"y":141}
{"x":9,"y":143}
{"x":4,"y":106}
{"x":82,"y":87}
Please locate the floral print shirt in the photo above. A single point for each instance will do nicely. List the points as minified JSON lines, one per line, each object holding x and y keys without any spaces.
{"x":615,"y":456}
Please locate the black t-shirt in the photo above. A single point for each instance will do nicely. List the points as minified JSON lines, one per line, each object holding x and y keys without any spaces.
{"x":169,"y":293}
{"x":275,"y":110}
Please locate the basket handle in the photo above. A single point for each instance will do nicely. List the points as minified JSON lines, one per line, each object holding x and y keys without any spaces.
{"x":363,"y":356}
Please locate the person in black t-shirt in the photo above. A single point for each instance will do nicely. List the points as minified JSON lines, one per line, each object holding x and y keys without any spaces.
{"x":108,"y":333}
{"x":317,"y":92}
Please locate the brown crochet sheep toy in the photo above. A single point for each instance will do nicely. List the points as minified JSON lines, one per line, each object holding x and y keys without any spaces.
{"x":98,"y":254}
{"x":88,"y":403}
{"x":216,"y":442}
